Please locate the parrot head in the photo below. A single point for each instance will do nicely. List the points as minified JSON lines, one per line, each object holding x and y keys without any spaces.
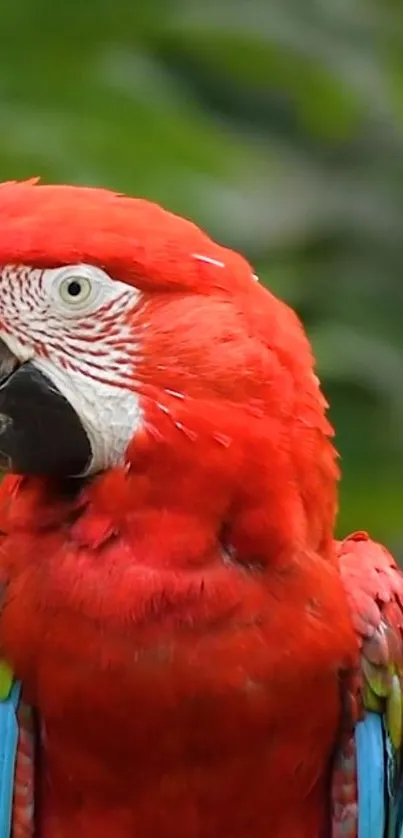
{"x":130,"y":342}
{"x":170,"y":596}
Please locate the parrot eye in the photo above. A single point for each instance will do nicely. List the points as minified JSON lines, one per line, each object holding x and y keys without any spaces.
{"x":75,"y":290}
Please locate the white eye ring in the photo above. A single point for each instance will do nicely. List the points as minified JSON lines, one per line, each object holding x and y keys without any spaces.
{"x":75,"y":290}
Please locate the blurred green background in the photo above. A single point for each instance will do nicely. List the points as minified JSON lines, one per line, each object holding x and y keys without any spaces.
{"x":276,"y":125}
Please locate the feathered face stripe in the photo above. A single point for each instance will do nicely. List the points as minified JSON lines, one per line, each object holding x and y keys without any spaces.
{"x":75,"y":325}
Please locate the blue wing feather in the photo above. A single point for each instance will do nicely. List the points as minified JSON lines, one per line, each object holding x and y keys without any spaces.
{"x":371,"y":777}
{"x":8,"y":752}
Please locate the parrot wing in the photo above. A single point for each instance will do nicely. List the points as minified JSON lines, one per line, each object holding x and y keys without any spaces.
{"x":367,"y":785}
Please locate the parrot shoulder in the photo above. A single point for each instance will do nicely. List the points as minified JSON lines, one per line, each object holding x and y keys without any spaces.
{"x":367,"y":782}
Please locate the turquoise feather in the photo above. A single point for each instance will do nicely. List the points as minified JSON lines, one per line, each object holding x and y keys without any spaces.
{"x":8,"y":752}
{"x":369,"y":737}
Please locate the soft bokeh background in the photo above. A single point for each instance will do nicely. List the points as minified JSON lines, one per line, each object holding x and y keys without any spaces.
{"x":275,"y":124}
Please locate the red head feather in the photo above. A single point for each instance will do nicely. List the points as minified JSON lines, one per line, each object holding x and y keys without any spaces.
{"x":135,"y":239}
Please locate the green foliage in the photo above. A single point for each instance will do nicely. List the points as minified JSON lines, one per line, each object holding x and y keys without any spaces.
{"x":277,"y":126}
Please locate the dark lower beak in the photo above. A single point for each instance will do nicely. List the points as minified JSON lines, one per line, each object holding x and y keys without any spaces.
{"x":40,"y":432}
{"x":8,"y":362}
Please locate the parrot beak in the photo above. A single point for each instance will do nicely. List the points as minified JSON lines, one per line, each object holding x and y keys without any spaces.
{"x":8,"y":362}
{"x":40,"y":432}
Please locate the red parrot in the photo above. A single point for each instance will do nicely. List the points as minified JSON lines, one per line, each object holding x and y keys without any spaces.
{"x":198,"y":651}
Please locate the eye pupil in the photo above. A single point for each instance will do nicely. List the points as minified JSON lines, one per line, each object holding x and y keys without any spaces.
{"x":74,"y":288}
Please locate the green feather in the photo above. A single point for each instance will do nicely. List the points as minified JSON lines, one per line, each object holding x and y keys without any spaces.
{"x":394,"y":710}
{"x":378,"y":677}
{"x":6,"y":680}
{"x":372,"y":702}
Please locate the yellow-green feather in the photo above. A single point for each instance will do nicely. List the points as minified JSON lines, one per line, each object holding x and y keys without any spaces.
{"x":6,"y":680}
{"x":382,"y":693}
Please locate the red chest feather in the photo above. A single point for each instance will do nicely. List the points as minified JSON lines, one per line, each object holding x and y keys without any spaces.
{"x":198,"y":702}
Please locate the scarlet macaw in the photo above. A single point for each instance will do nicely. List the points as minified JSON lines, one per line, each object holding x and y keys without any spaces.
{"x":203,"y":659}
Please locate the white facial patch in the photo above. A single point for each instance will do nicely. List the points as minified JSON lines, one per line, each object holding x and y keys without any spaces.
{"x":73,"y":323}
